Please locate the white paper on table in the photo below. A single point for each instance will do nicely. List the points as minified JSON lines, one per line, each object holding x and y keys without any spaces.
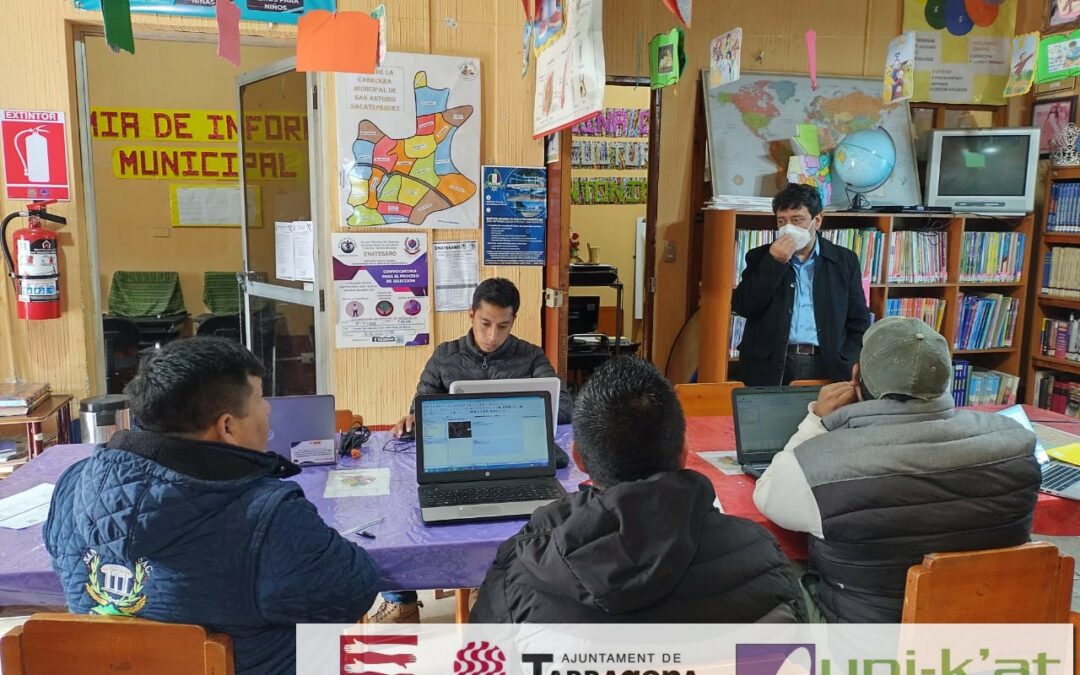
{"x":26,"y":508}
{"x":723,"y":461}
{"x":457,"y":273}
{"x":284,"y":252}
{"x":357,"y":483}
{"x":303,"y":240}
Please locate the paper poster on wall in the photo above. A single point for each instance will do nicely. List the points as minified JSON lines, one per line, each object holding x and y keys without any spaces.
{"x":618,"y":122}
{"x":34,"y":146}
{"x":294,"y":250}
{"x":666,"y":58}
{"x":272,"y":11}
{"x":961,"y":49}
{"x":1022,"y":64}
{"x":381,"y":289}
{"x":515,"y":215}
{"x":725,"y":58}
{"x":457,"y":274}
{"x":409,"y":143}
{"x":1059,"y":57}
{"x":570,"y":69}
{"x":900,"y":69}
{"x":213,"y":206}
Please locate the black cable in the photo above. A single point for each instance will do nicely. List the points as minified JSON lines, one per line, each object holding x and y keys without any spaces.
{"x":354,"y":438}
{"x":399,"y":445}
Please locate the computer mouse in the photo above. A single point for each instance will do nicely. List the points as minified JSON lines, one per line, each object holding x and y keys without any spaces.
{"x":407,"y":436}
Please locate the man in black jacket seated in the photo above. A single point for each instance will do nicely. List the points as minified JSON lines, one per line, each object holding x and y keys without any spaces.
{"x":802,"y":298}
{"x":645,"y":544}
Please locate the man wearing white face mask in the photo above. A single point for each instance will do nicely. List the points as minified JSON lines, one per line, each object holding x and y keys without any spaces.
{"x":802,"y":299}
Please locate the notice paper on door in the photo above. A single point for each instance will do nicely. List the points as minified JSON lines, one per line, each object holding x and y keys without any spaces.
{"x":294,"y":250}
{"x":26,"y":508}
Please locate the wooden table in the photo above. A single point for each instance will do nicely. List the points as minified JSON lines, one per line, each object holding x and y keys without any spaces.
{"x":56,"y":404}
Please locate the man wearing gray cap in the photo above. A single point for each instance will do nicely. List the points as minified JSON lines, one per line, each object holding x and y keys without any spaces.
{"x":884,"y":470}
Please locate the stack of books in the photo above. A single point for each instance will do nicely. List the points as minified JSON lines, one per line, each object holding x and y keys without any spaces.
{"x":867,"y":243}
{"x":1057,"y":392}
{"x":986,"y":321}
{"x":982,"y":387}
{"x":1060,"y":339}
{"x":1063,"y":212}
{"x":930,"y":310}
{"x":990,"y":257}
{"x":746,"y":241}
{"x":20,"y":399}
{"x":918,"y":257}
{"x":1061,"y":272}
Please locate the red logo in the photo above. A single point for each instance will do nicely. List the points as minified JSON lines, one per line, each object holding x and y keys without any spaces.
{"x":481,"y":658}
{"x":377,"y":654}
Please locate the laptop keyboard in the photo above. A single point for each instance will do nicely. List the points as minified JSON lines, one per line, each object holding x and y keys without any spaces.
{"x":488,"y":494}
{"x":1057,"y":476}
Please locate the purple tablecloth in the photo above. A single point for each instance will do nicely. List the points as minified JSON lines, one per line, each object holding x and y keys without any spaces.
{"x":408,"y":554}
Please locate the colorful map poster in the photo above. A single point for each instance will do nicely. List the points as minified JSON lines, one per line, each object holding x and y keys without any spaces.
{"x":570,"y":69}
{"x":381,"y":289}
{"x":515,"y":215}
{"x":409,"y":143}
{"x":273,"y":11}
{"x":961,"y":49}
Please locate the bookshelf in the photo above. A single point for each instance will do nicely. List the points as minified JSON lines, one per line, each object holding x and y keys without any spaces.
{"x":1049,"y":306}
{"x":718,"y":278}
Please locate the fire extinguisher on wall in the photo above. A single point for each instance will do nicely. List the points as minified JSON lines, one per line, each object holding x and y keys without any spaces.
{"x":36,"y":268}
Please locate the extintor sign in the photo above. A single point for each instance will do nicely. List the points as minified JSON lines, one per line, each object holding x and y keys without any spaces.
{"x":35,"y":154}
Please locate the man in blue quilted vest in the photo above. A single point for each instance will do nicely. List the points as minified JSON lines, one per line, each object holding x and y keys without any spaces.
{"x":191,"y":520}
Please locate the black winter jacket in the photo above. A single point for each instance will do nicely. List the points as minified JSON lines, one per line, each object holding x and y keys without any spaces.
{"x":766,"y":296}
{"x":461,"y":359}
{"x":649,"y":551}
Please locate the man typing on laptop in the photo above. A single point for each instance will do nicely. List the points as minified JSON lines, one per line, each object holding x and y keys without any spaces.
{"x":884,"y":470}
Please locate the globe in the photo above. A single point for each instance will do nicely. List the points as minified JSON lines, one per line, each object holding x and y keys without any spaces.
{"x":864,"y":160}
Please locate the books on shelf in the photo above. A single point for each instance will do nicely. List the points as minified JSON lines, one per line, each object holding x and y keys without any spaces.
{"x":1057,"y":392}
{"x":738,"y":323}
{"x":1063,"y":211}
{"x":986,"y":321}
{"x":19,"y":399}
{"x":918,"y":257}
{"x":979,"y":386}
{"x":1060,"y":339}
{"x":1061,"y":272}
{"x":867,"y":243}
{"x":989,"y":257}
{"x":930,"y":310}
{"x":746,"y":241}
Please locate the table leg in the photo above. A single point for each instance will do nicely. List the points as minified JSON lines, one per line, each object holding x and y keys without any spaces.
{"x":34,"y":439}
{"x":63,"y":421}
{"x":461,"y":605}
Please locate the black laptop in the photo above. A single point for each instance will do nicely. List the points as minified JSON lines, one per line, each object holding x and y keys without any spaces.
{"x":484,"y":456}
{"x":765,"y":419}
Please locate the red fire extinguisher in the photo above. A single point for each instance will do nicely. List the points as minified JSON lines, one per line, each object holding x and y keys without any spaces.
{"x":36,"y":271}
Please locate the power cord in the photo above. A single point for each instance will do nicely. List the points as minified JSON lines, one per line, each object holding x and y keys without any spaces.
{"x":353,"y":439}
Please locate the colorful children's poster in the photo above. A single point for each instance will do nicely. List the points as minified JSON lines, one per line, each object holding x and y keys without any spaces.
{"x":900,"y":68}
{"x":381,"y":284}
{"x":1059,"y":57}
{"x":961,"y":49}
{"x":409,"y":143}
{"x":725,"y":58}
{"x":1022,"y":64}
{"x":570,"y":69}
{"x":515,"y":215}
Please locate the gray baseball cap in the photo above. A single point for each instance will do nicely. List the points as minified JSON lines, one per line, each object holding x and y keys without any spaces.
{"x":905,"y":356}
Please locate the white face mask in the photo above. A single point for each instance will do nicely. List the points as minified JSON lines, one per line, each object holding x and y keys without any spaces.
{"x":801,"y":235}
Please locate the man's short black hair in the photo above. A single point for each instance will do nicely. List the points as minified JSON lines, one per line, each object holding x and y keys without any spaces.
{"x":499,"y":292}
{"x":628,"y":424}
{"x":796,"y":196}
{"x":188,"y":384}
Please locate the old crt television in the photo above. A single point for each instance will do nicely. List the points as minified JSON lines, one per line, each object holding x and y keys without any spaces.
{"x":983,"y":170}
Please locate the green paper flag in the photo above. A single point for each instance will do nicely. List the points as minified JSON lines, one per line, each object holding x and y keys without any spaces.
{"x":117,"y":15}
{"x":666,"y":58}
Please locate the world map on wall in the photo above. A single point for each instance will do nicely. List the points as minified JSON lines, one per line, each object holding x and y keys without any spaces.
{"x":752,"y":121}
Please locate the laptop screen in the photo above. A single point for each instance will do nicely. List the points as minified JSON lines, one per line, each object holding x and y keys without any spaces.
{"x":766,"y":419}
{"x":483,"y":434}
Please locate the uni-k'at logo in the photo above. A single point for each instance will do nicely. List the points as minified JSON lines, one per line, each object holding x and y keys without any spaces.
{"x":762,"y":659}
{"x":117,"y":590}
{"x":480,"y":658}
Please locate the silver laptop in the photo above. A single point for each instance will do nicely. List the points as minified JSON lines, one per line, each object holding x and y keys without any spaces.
{"x":298,"y":424}
{"x":484,"y":456}
{"x":1058,"y":478}
{"x":765,"y":420}
{"x":552,"y":385}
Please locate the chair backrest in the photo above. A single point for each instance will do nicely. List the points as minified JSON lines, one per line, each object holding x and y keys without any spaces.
{"x":222,"y":326}
{"x":104,"y":645}
{"x":345,"y":419}
{"x":146,"y":294}
{"x":221,"y":292}
{"x":809,"y":383}
{"x":706,"y":400}
{"x":1031,"y":583}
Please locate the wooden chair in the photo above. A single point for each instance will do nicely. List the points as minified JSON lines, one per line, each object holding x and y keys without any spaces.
{"x":1031,"y":583}
{"x":706,"y":400}
{"x":104,"y":645}
{"x":344,"y":419}
{"x":809,"y":383}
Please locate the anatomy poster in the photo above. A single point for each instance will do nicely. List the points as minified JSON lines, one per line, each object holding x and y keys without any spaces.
{"x":381,"y":289}
{"x":409,"y":143}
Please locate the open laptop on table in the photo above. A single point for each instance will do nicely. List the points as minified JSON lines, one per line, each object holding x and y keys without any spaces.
{"x":1058,"y":478}
{"x":765,"y":419}
{"x":484,"y":456}
{"x":302,"y":428}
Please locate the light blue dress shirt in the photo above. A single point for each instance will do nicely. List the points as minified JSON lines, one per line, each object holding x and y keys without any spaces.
{"x":803,"y":322}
